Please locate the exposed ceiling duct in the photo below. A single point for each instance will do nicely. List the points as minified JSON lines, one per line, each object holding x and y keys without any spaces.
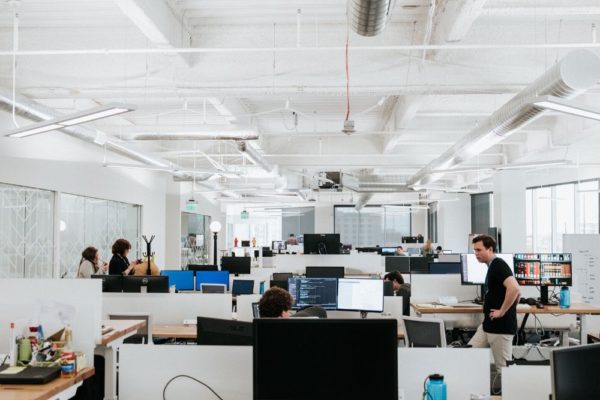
{"x":206,"y":132}
{"x":575,"y":73}
{"x":254,"y":156}
{"x":363,"y":200}
{"x":375,"y":183}
{"x":37,"y":112}
{"x":369,"y":17}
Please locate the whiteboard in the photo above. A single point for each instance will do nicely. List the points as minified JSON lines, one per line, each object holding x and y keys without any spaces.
{"x":586,"y":265}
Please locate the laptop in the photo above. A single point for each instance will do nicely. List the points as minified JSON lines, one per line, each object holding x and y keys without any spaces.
{"x":29,"y":376}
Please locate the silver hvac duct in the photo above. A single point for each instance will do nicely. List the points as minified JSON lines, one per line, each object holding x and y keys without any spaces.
{"x":375,"y":183}
{"x":574,"y":74}
{"x":369,"y":17}
{"x":37,"y":112}
{"x":363,"y":200}
{"x":254,"y":156}
{"x":192,"y":136}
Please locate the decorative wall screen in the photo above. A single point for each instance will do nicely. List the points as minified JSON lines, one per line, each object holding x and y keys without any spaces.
{"x":26,"y":232}
{"x":87,"y":221}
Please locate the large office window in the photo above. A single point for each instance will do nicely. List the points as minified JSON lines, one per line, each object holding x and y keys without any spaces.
{"x":372,"y":225}
{"x":553,"y":211}
{"x":86,"y":221}
{"x":196,"y":239}
{"x":26,"y":233}
{"x":481,"y":212}
{"x":432,"y":221}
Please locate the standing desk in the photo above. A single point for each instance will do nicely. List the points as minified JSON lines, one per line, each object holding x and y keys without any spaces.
{"x":60,"y":388}
{"x":575,"y":309}
{"x":108,"y":348}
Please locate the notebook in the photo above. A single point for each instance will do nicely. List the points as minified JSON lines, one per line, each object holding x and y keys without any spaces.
{"x":29,"y":375}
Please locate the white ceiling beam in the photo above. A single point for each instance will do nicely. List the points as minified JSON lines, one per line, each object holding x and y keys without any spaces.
{"x":453,"y":19}
{"x":155,"y":19}
{"x":539,"y":11}
{"x":405,"y":110}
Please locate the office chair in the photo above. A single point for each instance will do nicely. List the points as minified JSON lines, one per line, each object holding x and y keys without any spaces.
{"x":143,"y":335}
{"x":423,"y":332}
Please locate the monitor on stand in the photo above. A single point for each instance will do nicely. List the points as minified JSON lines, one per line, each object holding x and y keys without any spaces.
{"x":544,"y":270}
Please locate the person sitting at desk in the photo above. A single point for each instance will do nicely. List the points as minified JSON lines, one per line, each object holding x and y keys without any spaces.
{"x":400,"y":289}
{"x":501,"y":297}
{"x":400,"y":251}
{"x":90,"y":263}
{"x":119,"y":264}
{"x":292,"y":239}
{"x":427,"y":248}
{"x":277,"y":303}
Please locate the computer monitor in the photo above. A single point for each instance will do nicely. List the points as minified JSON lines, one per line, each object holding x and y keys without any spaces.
{"x":322,"y":243}
{"x":282,"y":276}
{"x":473,"y":272}
{"x":574,"y":372}
{"x":245,"y":243}
{"x":397,"y":263}
{"x":223,"y":332}
{"x":324,"y":272}
{"x":110,"y":283}
{"x":409,"y":239}
{"x":544,"y":270}
{"x":212,"y":288}
{"x":183,"y":280}
{"x":355,"y":294}
{"x":420,"y":265}
{"x":242,"y":286}
{"x":278,"y":245}
{"x":388,"y":251}
{"x":444,"y":268}
{"x":151,"y":284}
{"x":199,"y":267}
{"x":423,"y":332}
{"x":313,"y":292}
{"x":325,"y":359}
{"x":279,"y":283}
{"x":236,"y":265}
{"x":413,"y":251}
{"x":220,"y":277}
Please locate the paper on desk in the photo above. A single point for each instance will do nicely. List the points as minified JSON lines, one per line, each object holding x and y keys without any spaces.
{"x":426,"y":305}
{"x":12,"y":370}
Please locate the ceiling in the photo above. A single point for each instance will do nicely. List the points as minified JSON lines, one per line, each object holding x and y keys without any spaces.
{"x":278,"y":68}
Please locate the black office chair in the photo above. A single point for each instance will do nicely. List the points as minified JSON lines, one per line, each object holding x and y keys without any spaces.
{"x":311,"y":312}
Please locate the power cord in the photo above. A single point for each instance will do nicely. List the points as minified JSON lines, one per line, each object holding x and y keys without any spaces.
{"x":192,"y":378}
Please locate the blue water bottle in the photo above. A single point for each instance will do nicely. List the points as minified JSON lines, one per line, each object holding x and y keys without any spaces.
{"x":435,"y":389}
{"x":565,"y":297}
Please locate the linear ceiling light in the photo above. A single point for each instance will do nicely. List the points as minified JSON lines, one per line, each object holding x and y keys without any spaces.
{"x":565,"y":106}
{"x":548,"y":163}
{"x":71,"y":119}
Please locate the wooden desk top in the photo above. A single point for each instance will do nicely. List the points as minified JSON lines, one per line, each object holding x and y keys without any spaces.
{"x":177,"y":331}
{"x":121,"y":327}
{"x":438,"y":309}
{"x":181,"y":331}
{"x":42,"y":392}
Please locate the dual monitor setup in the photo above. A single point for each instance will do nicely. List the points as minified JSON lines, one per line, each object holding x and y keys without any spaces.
{"x":530,"y":269}
{"x":314,"y":243}
{"x":421,"y":265}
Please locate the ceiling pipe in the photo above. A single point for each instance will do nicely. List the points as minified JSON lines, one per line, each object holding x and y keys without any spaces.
{"x":574,"y":74}
{"x":254,"y":156}
{"x":362,"y":201}
{"x":192,"y":136}
{"x":375,"y":183}
{"x":369,"y":17}
{"x":28,"y":109}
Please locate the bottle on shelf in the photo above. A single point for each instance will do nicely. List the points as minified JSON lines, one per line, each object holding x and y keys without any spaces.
{"x":68,"y":367}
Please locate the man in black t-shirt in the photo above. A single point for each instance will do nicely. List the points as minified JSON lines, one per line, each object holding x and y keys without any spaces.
{"x":501,"y":295}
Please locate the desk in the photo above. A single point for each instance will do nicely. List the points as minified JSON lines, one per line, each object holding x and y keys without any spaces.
{"x":577,"y":308}
{"x":593,"y":338}
{"x":108,"y":347}
{"x":188,"y":332}
{"x":60,"y":388}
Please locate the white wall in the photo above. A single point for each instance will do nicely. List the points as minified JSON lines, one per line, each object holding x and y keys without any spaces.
{"x":454,"y":222}
{"x":418,"y":223}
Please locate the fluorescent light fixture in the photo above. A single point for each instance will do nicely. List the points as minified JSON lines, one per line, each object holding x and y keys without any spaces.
{"x":138,"y":166}
{"x":71,"y":119}
{"x":548,"y":163}
{"x":566,"y":106}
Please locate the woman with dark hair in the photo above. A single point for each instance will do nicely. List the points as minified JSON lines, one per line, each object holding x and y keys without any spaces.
{"x":90,"y":263}
{"x":400,"y":289}
{"x":119,"y":264}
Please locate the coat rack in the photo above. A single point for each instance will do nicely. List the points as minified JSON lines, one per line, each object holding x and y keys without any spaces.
{"x":148,"y":254}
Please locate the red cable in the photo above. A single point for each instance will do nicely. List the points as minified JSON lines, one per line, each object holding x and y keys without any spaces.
{"x":347,"y":83}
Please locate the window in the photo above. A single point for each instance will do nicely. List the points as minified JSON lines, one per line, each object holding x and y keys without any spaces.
{"x":432,"y":221}
{"x":553,"y":211}
{"x":27,"y":234}
{"x":196,"y":239}
{"x":372,"y":225}
{"x":86,"y":221}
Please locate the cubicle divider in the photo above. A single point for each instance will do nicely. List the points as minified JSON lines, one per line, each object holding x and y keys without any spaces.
{"x":169,"y":308}
{"x":228,"y":371}
{"x":361,"y":263}
{"x":244,"y":306}
{"x":53,"y":303}
{"x":526,"y":382}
